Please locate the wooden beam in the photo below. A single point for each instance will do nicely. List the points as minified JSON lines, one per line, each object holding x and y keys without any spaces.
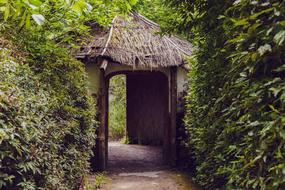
{"x":109,"y":37}
{"x":101,"y":138}
{"x":104,"y":65}
{"x":106,"y":117}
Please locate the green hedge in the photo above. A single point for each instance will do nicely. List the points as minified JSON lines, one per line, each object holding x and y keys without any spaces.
{"x":47,"y":129}
{"x":47,"y":118}
{"x":235,"y":105}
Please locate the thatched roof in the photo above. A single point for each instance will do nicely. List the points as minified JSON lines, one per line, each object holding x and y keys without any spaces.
{"x":135,"y":41}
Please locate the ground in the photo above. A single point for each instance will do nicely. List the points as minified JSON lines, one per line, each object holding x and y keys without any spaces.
{"x":135,"y":167}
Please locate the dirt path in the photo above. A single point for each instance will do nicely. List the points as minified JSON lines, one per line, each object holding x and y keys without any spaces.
{"x":135,"y":167}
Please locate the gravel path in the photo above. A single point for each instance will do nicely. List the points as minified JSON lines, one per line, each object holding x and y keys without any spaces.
{"x":135,"y":167}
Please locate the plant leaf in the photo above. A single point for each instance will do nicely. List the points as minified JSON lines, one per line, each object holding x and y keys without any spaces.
{"x":279,"y":38}
{"x":38,"y":18}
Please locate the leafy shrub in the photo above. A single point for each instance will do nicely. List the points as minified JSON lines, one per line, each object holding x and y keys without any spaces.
{"x":235,"y":109}
{"x":156,"y":11}
{"x":46,"y":140}
{"x":47,"y":126}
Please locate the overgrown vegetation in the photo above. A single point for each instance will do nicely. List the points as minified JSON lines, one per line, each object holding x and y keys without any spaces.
{"x":46,"y":133}
{"x":117,"y":108}
{"x":235,"y":109}
{"x":94,"y":183}
{"x":156,"y":11}
{"x":47,"y":117}
{"x":235,"y":104}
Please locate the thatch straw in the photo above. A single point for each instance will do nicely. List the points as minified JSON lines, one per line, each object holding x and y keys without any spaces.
{"x":136,"y":42}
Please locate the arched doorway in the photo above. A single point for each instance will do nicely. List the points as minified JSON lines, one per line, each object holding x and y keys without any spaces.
{"x":147,"y":108}
{"x":151,"y":101}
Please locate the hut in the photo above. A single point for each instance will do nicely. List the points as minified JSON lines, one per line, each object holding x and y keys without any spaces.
{"x":155,"y":71}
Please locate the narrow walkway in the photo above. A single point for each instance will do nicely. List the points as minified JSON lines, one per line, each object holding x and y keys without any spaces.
{"x":135,"y":167}
{"x":134,"y":158}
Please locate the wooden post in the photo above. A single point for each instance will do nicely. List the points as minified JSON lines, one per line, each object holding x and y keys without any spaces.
{"x":102,"y":139}
{"x":106,"y":122}
{"x":173,"y":112}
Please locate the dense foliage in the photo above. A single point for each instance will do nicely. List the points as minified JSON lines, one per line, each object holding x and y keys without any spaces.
{"x":235,"y":105}
{"x":47,"y":121}
{"x":46,"y":134}
{"x":117,"y":107}
{"x":156,"y":11}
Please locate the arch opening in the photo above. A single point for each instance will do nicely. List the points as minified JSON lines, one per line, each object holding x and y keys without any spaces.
{"x":144,"y":114}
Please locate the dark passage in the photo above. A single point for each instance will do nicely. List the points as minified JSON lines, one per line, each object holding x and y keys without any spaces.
{"x":147,"y":108}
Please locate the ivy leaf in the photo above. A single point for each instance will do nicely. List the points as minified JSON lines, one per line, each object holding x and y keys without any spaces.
{"x":28,"y":22}
{"x":282,"y":134}
{"x":78,"y":7}
{"x":264,"y":49}
{"x":89,"y":7}
{"x":38,"y":18}
{"x":132,"y":2}
{"x":279,"y":38}
{"x":237,"y":2}
{"x":275,"y":91}
{"x":6,"y":13}
{"x":33,"y":6}
{"x":23,"y":19}
{"x":36,"y":2}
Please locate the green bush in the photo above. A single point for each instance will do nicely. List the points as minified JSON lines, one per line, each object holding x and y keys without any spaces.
{"x":235,"y":105}
{"x":117,"y":106}
{"x":46,"y":134}
{"x":47,"y":126}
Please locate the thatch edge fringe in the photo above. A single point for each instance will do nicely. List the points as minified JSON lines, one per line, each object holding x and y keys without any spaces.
{"x":135,"y":43}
